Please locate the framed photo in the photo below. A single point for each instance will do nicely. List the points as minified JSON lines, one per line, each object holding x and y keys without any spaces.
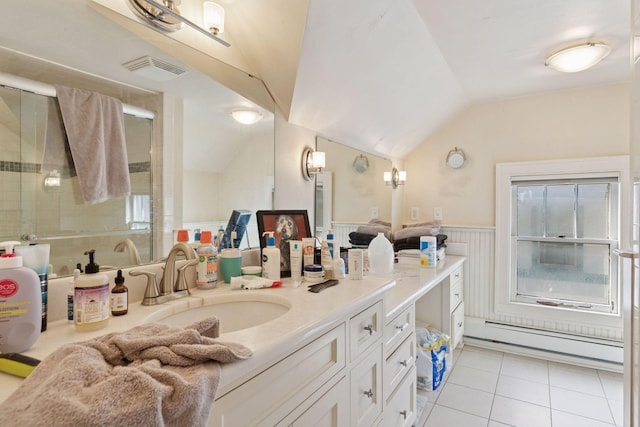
{"x":286,"y":225}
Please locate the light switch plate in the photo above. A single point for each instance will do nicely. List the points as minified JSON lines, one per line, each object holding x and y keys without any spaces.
{"x":437,"y":214}
{"x":415,"y":213}
{"x":375,"y":212}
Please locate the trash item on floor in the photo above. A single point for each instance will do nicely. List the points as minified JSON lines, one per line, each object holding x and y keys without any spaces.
{"x":432,"y":358}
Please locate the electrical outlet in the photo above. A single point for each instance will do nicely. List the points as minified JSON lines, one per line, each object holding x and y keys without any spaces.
{"x":437,"y":214}
{"x":415,"y":213}
{"x":375,"y":212}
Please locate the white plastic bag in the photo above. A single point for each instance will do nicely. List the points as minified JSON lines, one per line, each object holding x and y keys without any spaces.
{"x":432,"y":358}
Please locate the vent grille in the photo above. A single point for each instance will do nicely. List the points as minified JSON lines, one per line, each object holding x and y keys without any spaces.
{"x":154,"y":68}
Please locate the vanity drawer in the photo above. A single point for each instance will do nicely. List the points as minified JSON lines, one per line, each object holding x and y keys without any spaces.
{"x":398,"y":364}
{"x":400,"y":410}
{"x":365,"y":328}
{"x":457,"y":275}
{"x":366,"y":388}
{"x":456,"y":294}
{"x":399,"y":328}
{"x":457,"y":325}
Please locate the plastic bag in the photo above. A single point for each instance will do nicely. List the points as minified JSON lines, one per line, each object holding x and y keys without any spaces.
{"x":432,"y":358}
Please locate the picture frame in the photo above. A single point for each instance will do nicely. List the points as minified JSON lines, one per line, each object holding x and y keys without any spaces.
{"x":286,"y":225}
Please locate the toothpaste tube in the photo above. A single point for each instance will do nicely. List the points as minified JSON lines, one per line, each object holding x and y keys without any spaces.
{"x":252,"y":282}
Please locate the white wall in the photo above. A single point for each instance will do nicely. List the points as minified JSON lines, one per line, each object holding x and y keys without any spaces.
{"x":566,"y":124}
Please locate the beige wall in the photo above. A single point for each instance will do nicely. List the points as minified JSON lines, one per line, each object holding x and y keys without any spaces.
{"x":567,"y":124}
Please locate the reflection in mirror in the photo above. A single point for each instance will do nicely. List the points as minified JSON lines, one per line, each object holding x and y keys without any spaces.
{"x":351,"y":190}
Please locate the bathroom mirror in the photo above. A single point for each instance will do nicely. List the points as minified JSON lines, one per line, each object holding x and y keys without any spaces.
{"x":351,"y":190}
{"x":208,"y":156}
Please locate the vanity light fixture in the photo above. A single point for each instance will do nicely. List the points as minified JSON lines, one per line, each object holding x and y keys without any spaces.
{"x":578,"y":57}
{"x":52,"y":180}
{"x":312,"y":163}
{"x":246,"y":116}
{"x":361,"y":164}
{"x":165,"y":15}
{"x":395,"y":178}
{"x":456,"y":158}
{"x":213,"y":17}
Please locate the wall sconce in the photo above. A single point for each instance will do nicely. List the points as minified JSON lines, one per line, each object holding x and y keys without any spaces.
{"x":52,"y":180}
{"x":312,"y":163}
{"x":165,"y":15}
{"x":456,"y":158}
{"x":578,"y":57}
{"x":395,"y":178}
{"x":213,"y":17}
{"x":246,"y":116}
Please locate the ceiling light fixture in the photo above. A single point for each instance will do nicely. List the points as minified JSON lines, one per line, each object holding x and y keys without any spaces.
{"x":246,"y":116}
{"x":165,"y":15}
{"x":312,"y":163}
{"x":213,"y":17}
{"x":578,"y":57}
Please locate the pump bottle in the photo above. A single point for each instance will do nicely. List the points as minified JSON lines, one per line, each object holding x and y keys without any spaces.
{"x":91,"y":298}
{"x":271,"y":258}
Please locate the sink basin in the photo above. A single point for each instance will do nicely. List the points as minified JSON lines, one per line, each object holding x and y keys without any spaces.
{"x":236,"y":312}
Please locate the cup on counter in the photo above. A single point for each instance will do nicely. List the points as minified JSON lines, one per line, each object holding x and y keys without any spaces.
{"x":230,"y":263}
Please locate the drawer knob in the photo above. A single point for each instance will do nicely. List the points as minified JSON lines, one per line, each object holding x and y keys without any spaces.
{"x":369,"y":328}
{"x":457,"y":275}
{"x":402,"y":327}
{"x":404,"y":414}
{"x":403,"y":363}
{"x":457,"y":294}
{"x":459,"y":324}
{"x":369,"y":393}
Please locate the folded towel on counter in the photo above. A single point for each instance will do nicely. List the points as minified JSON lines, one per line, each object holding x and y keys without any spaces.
{"x":95,"y":130}
{"x":414,"y":242}
{"x":426,"y":230}
{"x":149,"y":375}
{"x":373,"y":230}
{"x":360,"y":239}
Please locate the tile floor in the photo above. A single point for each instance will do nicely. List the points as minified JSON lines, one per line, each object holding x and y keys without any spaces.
{"x":494,"y":389}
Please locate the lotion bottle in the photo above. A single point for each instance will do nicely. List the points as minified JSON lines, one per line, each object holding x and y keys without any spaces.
{"x":21,"y":303}
{"x":91,"y":298}
{"x":271,"y":258}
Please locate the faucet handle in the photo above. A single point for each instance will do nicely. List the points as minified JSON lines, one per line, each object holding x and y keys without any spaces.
{"x":181,"y":284}
{"x":151,"y":293}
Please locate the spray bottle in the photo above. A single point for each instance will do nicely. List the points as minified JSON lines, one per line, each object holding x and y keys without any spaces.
{"x":271,"y":258}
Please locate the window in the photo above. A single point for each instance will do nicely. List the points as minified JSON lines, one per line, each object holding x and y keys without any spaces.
{"x":556,"y":225}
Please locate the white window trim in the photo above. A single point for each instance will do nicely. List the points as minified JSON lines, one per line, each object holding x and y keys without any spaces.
{"x":505,"y":172}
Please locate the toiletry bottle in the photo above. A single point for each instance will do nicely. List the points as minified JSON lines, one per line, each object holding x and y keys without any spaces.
{"x":21,"y":303}
{"x":271,"y":258}
{"x":207,"y":267}
{"x":119,"y":297}
{"x":196,"y":239}
{"x":70,"y":291}
{"x":295,"y":261}
{"x":326,"y":259}
{"x":332,"y":245}
{"x":380,"y":255}
{"x":91,"y":298}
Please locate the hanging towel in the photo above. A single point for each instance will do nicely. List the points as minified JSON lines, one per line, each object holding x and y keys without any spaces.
{"x":57,"y":153}
{"x":95,"y":131}
{"x":151,"y":375}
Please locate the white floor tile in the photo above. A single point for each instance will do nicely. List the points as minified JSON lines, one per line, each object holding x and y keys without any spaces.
{"x":525,"y":368}
{"x":466,"y":399}
{"x":575,"y":378}
{"x":617,"y":409}
{"x":485,"y":360}
{"x":613,"y":385}
{"x":497,"y":424}
{"x":564,"y":419}
{"x":582,"y":404}
{"x":527,"y":391}
{"x":474,"y":378}
{"x":518,"y":413}
{"x":446,"y":417}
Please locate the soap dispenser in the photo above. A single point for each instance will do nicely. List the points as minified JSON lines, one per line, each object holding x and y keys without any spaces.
{"x":91,"y":297}
{"x":21,"y":303}
{"x":271,"y":258}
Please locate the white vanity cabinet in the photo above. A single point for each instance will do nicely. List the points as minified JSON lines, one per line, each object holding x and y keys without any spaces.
{"x":336,"y":380}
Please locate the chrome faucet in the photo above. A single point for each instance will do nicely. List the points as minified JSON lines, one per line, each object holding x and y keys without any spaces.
{"x":170,"y":277}
{"x":134,"y":256}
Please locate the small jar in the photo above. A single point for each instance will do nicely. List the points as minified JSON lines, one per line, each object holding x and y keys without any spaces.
{"x":252,"y":270}
{"x":313,"y":273}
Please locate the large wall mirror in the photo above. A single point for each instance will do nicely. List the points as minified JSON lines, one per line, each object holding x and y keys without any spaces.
{"x":216,"y":164}
{"x":351,"y":190}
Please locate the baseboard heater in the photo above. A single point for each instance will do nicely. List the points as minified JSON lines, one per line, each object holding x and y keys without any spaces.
{"x":535,"y":342}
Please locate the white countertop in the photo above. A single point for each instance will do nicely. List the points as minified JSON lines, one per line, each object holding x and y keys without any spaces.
{"x":310,"y":316}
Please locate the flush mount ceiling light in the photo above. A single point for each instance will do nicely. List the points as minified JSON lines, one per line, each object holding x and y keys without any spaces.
{"x":312,"y":163}
{"x":395,"y":178}
{"x":456,"y":158}
{"x":165,"y":15}
{"x":246,"y":116}
{"x":578,"y":57}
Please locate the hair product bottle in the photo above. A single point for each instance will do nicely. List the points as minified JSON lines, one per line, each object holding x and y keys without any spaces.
{"x":119,"y":297}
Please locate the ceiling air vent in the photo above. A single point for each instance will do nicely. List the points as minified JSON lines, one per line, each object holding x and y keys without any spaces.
{"x":154,"y":68}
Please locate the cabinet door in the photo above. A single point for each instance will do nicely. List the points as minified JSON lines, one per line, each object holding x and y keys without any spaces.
{"x":400,"y":410}
{"x":457,"y":325}
{"x":366,"y":388}
{"x":331,"y":410}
